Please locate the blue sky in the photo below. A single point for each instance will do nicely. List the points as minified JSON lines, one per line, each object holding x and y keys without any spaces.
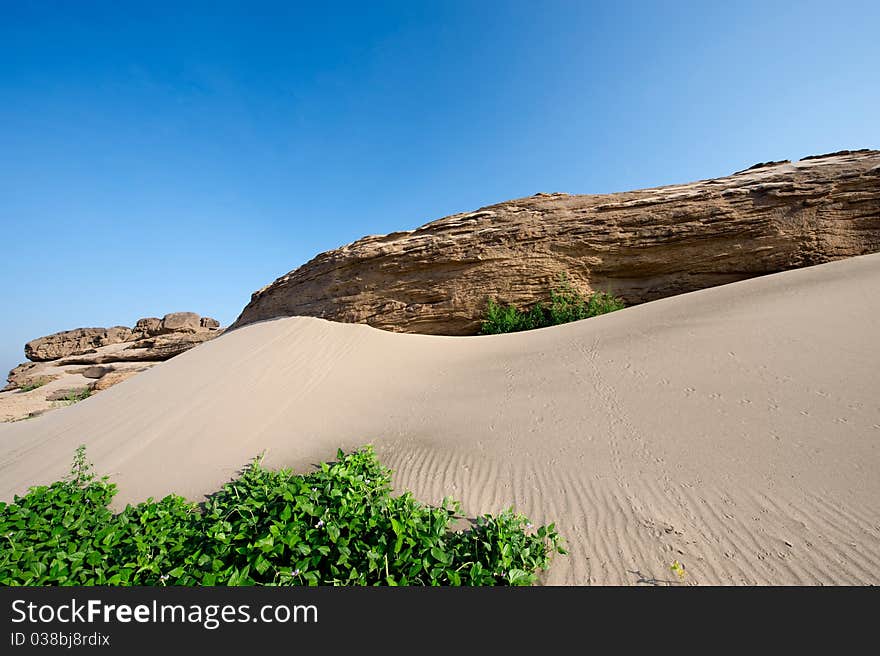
{"x":157,"y":157}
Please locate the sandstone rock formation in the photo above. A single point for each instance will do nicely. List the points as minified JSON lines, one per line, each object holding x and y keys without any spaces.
{"x":69,"y":342}
{"x":149,"y":349}
{"x":113,"y":378}
{"x":181,"y":322}
{"x":95,"y":372}
{"x":72,"y":356}
{"x":147,"y":327}
{"x":641,"y":245}
{"x":68,"y":394}
{"x":209,"y":323}
{"x":23,"y":375}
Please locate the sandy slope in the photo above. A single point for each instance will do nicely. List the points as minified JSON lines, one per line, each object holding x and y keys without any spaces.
{"x":736,"y":429}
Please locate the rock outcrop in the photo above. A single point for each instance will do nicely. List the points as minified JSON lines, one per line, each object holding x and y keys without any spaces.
{"x":95,"y":372}
{"x":150,"y":349}
{"x":181,"y":322}
{"x":69,"y":394}
{"x":113,"y":378}
{"x":147,"y":327}
{"x":23,"y":375}
{"x":77,"y":353}
{"x":209,"y":323}
{"x":640,"y":245}
{"x":71,"y":342}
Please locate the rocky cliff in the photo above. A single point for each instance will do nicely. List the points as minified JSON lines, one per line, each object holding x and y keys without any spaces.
{"x":63,"y":365}
{"x":641,"y":245}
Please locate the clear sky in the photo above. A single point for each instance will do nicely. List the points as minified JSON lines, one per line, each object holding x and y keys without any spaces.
{"x":157,"y":157}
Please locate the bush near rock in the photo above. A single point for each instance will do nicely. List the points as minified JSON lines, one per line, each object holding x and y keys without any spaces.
{"x":638,"y":245}
{"x":68,"y":394}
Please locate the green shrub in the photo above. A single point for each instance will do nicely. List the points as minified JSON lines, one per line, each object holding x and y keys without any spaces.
{"x":565,"y":305}
{"x":34,"y":384}
{"x":76,"y":396}
{"x":339,"y":525}
{"x":508,"y":319}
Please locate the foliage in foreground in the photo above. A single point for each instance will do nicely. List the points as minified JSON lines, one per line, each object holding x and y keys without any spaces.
{"x":566,"y":305}
{"x":339,"y":525}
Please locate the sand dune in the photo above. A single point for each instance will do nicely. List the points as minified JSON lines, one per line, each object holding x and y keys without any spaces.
{"x":736,"y":429}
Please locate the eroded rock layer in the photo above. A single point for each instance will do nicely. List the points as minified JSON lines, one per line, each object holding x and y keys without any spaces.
{"x":641,"y":245}
{"x":151,"y":340}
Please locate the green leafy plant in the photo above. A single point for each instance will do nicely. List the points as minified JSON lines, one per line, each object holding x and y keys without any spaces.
{"x":338,"y":525}
{"x":678,"y":569}
{"x":75,"y":396}
{"x":32,"y":385}
{"x":81,"y":474}
{"x":566,"y":304}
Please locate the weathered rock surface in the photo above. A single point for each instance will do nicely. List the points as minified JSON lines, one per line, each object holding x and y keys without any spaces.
{"x":95,"y":355}
{"x":57,"y":380}
{"x":176,"y":322}
{"x":25,"y":374}
{"x":68,"y":394}
{"x":96,"y":372}
{"x":69,"y":342}
{"x":164,"y":347}
{"x":147,"y":327}
{"x":176,"y":325}
{"x":181,"y":322}
{"x":114,"y":378}
{"x":152,"y":349}
{"x":641,"y":245}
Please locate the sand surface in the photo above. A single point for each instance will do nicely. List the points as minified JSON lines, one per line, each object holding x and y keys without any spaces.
{"x":735,"y":429}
